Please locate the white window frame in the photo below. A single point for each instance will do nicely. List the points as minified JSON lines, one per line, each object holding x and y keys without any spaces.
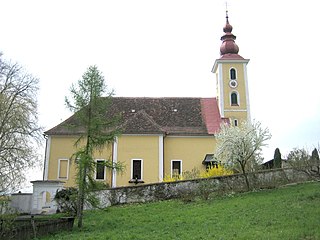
{"x":236,"y":72}
{"x":238,"y":98}
{"x":176,"y":160}
{"x":59,"y":160}
{"x":236,"y":122}
{"x":131,"y":173}
{"x":104,"y":173}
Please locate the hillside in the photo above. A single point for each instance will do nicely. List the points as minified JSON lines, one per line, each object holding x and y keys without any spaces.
{"x":291,"y":212}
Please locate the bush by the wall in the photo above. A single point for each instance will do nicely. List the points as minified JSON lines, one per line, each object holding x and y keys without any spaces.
{"x":67,"y":200}
{"x":215,"y":171}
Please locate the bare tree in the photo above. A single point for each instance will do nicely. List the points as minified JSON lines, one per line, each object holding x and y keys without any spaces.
{"x":19,"y":130}
{"x":300,"y":160}
{"x":239,"y":147}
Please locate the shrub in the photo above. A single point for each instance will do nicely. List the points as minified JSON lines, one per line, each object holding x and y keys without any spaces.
{"x":169,"y":178}
{"x":4,"y":204}
{"x":193,"y":174}
{"x":67,"y":200}
{"x":216,"y":171}
{"x":7,"y":217}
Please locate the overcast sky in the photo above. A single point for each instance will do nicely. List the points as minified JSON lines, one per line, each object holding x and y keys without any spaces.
{"x":166,"y":48}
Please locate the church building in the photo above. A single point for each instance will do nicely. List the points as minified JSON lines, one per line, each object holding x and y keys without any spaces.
{"x":160,"y":136}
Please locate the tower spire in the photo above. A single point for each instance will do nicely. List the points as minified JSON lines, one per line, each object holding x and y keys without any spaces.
{"x":227,"y":17}
{"x":228,"y":46}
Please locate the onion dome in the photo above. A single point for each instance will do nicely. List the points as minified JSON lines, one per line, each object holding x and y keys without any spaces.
{"x":228,"y":45}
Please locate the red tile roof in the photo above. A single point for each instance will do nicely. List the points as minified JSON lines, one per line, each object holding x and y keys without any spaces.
{"x":211,"y":114}
{"x":172,"y":116}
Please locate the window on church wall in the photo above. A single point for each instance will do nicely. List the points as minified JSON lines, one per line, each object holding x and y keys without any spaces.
{"x":136,"y":169}
{"x":233,"y":74}
{"x":234,"y":99}
{"x":176,"y":168}
{"x":100,"y":173}
{"x":235,"y":122}
{"x":210,"y":165}
{"x":63,"y":168}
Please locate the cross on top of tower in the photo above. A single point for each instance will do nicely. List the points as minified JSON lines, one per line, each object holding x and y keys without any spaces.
{"x":229,"y":49}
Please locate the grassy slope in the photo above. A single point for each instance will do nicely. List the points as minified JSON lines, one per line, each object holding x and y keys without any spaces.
{"x":292,"y":212}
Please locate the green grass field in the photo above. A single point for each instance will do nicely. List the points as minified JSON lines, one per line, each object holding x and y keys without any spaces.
{"x":291,"y":212}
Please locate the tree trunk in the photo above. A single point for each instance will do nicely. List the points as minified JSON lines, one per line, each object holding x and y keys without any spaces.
{"x":245,"y":175}
{"x":81,"y":196}
{"x":82,"y":180}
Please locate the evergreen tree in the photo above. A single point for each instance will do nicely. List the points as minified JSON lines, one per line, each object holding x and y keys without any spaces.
{"x":277,"y":159}
{"x":315,"y":155}
{"x":315,"y":159}
{"x":97,"y":131}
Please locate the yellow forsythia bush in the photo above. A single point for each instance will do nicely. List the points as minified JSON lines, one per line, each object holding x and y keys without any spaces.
{"x":216,"y":171}
{"x":168,"y":178}
{"x":193,"y":174}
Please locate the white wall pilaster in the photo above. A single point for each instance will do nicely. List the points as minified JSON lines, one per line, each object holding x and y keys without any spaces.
{"x":115,"y":160}
{"x":47,"y":157}
{"x":161,"y":158}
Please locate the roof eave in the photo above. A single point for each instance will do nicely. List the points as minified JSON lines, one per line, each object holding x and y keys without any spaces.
{"x":218,"y":61}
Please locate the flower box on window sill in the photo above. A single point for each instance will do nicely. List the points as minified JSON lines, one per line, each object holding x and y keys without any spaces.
{"x":136,"y":181}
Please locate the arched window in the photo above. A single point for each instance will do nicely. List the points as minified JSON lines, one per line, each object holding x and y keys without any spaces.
{"x":234,"y":99}
{"x":235,"y":122}
{"x":233,"y":74}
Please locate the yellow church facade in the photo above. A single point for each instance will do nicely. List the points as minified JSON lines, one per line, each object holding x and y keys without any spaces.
{"x":142,"y":155}
{"x":160,"y":136}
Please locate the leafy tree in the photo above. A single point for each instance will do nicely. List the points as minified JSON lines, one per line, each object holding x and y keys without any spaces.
{"x":19,"y":129}
{"x":97,"y":131}
{"x":239,"y":147}
{"x":277,"y":159}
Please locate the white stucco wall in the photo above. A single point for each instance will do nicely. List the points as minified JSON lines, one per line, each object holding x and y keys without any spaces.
{"x":21,"y":202}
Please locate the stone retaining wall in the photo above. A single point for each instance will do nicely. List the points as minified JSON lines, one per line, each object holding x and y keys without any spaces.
{"x":224,"y":184}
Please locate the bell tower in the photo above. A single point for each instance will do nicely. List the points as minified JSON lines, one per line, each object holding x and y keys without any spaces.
{"x":231,"y":79}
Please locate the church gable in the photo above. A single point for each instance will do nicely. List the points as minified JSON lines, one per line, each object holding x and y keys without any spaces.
{"x":141,"y":122}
